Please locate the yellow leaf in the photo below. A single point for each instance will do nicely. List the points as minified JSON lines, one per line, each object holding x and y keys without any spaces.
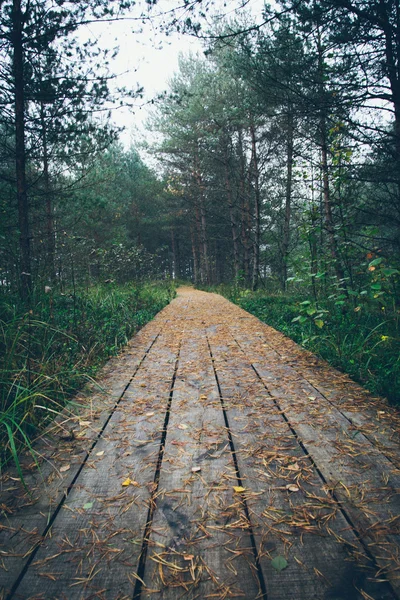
{"x":127,"y":482}
{"x":239,"y":489}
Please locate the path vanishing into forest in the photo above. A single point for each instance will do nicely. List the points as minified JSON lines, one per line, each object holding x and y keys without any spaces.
{"x":218,"y":460}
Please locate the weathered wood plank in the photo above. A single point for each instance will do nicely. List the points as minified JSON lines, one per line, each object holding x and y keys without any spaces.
{"x":60,"y":453}
{"x":364,"y":478}
{"x":76,"y":555}
{"x":307,"y":461}
{"x":306,"y":524}
{"x":199,"y":545}
{"x":368,"y":414}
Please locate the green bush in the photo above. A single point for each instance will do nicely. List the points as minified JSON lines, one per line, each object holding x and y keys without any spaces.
{"x":46,"y":354}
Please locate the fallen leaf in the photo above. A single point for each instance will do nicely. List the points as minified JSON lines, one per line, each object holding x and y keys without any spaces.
{"x":203,"y":397}
{"x":182,"y":426}
{"x":65,"y":468}
{"x":239,"y":489}
{"x":127,"y":482}
{"x":84,"y":423}
{"x":279,"y":563}
{"x":88,"y":505}
{"x":188,"y":557}
{"x":100,"y":453}
{"x":196,"y":469}
{"x":149,"y":414}
{"x":292,"y":488}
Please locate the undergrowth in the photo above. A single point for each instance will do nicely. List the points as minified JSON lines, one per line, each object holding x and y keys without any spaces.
{"x":361,"y":338}
{"x":49,"y":352}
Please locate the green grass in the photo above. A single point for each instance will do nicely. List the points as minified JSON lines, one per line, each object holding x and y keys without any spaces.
{"x":48,"y":353}
{"x":363,"y":342}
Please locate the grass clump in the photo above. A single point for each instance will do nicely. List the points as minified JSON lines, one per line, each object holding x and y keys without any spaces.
{"x":48,"y":352}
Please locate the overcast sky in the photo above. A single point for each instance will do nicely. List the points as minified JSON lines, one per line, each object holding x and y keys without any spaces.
{"x":148,"y":57}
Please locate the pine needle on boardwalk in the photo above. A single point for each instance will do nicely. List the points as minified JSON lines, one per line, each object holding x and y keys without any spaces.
{"x":220,"y":460}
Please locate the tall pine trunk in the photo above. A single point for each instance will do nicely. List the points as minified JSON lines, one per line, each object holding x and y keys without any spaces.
{"x":288,"y":196}
{"x":245,"y":211}
{"x":20,"y":151}
{"x":257,"y":211}
{"x":50,"y":234}
{"x":323,"y":134}
{"x":232,"y":220}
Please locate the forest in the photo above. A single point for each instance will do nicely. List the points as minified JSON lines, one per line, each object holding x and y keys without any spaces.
{"x":271,"y":176}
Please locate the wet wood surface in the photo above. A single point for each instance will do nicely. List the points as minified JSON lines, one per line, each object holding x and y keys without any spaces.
{"x":215,"y":458}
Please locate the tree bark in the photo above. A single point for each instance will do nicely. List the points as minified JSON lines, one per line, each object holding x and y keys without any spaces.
{"x":195,"y":256}
{"x":245,"y":210}
{"x":202,"y":223}
{"x":257,"y":210}
{"x":20,"y":151}
{"x":232,"y":219}
{"x":288,"y":196}
{"x":329,"y":224}
{"x":50,"y":235}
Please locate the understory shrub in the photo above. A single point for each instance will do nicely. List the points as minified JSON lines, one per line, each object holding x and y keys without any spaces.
{"x":47,"y":353}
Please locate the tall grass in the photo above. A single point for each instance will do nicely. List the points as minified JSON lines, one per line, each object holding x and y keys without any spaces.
{"x":47,"y":353}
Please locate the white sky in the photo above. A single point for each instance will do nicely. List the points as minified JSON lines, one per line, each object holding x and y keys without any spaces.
{"x":148,"y":58}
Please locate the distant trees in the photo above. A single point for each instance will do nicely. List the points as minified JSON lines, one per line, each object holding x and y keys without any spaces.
{"x":51,"y":83}
{"x":279,"y":150}
{"x":284,"y":143}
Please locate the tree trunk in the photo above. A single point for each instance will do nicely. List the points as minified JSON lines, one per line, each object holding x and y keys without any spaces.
{"x":245,"y":210}
{"x":195,"y":256}
{"x":20,"y":150}
{"x":201,"y":222}
{"x":204,"y":242}
{"x":329,"y":224}
{"x":312,"y":239}
{"x":288,"y":196}
{"x":257,"y":211}
{"x":232,"y":219}
{"x":50,"y":245}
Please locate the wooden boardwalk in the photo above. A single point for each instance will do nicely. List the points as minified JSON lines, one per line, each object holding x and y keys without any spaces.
{"x":218,"y":460}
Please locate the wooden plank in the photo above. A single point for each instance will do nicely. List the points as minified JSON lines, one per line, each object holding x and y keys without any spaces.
{"x":200,"y":545}
{"x":24,"y":518}
{"x":365,"y":480}
{"x":305,"y":525}
{"x":367,"y":414}
{"x":95,"y":482}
